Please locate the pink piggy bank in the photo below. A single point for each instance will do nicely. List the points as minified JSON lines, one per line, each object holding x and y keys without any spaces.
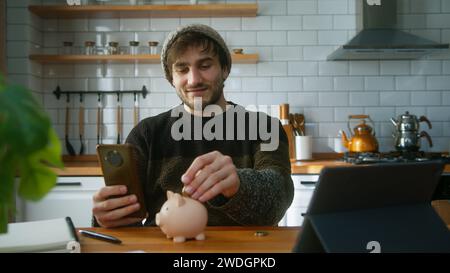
{"x":182,"y":218}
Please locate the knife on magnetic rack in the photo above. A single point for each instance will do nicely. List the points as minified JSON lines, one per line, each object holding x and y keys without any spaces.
{"x":136,"y":110}
{"x":81,"y":124}
{"x":119,"y":120}
{"x":99,"y":118}
{"x":69,"y":146}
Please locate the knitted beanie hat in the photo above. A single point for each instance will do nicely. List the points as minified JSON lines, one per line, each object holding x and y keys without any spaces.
{"x":203,"y":29}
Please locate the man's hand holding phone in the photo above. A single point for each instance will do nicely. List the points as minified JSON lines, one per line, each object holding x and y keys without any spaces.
{"x":122,"y":201}
{"x":112,"y":207}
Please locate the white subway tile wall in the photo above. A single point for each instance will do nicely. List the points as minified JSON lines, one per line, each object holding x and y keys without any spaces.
{"x":293,"y":39}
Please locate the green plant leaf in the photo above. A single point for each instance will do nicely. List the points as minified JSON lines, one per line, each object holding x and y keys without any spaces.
{"x":52,"y":152}
{"x":7,"y":178}
{"x":29,"y":145}
{"x":6,"y":190}
{"x":36,"y":180}
{"x":3,"y":218}
{"x":23,"y":124}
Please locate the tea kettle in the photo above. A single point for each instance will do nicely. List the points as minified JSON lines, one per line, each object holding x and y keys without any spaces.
{"x":407,"y":122}
{"x":363,"y":139}
{"x":406,"y":134}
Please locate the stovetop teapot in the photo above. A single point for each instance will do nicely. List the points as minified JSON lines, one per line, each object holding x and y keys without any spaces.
{"x":408,"y":122}
{"x":363,"y":139}
{"x":406,"y":134}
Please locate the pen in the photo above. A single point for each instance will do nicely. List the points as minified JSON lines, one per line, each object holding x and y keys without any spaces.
{"x":100,"y":236}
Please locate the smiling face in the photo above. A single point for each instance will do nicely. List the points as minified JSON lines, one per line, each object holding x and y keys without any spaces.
{"x":198,"y":73}
{"x":198,"y":67}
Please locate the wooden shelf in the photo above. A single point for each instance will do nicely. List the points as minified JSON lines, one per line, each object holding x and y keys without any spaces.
{"x":46,"y":59}
{"x":146,"y":58}
{"x":145,"y":11}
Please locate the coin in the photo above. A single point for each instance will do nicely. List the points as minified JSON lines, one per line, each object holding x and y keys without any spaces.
{"x":184,"y":193}
{"x":261,"y":233}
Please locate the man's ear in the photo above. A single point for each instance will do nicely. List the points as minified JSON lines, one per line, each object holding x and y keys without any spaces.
{"x":225,"y":73}
{"x":171,"y":80}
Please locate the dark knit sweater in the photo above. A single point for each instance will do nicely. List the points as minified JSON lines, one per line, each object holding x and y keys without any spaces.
{"x":266,"y":188}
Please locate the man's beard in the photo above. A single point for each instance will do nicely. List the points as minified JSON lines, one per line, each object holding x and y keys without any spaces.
{"x":213,"y":94}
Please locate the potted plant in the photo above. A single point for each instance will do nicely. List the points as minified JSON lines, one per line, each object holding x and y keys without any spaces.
{"x":29,"y":147}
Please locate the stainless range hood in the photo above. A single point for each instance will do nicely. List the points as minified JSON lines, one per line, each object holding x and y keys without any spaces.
{"x":379,"y":39}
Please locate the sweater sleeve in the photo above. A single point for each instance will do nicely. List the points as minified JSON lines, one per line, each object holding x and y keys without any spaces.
{"x":266,"y":191}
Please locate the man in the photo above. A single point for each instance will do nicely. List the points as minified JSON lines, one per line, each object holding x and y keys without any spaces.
{"x":239,"y":181}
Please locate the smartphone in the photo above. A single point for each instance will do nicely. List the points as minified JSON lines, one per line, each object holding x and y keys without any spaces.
{"x":119,"y":167}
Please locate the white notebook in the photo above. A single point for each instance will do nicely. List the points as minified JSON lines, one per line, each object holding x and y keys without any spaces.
{"x":55,"y":235}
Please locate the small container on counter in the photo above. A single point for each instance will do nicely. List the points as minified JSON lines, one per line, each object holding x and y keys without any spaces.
{"x":67,"y":48}
{"x":101,"y":50}
{"x":89,"y":48}
{"x":134,"y":47}
{"x":238,"y":50}
{"x":153,"y":47}
{"x":113,"y":48}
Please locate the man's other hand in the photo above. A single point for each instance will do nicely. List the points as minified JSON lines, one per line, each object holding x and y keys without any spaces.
{"x":209,"y":175}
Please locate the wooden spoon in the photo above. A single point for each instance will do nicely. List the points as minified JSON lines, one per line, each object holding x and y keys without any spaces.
{"x":294,"y":124}
{"x":300,"y":121}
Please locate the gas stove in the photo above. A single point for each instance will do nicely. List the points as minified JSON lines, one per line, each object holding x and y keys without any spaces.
{"x":393,"y":157}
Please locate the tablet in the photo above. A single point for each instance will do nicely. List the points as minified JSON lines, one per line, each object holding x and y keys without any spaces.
{"x":381,"y":207}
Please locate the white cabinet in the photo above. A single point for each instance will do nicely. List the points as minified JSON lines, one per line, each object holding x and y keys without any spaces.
{"x":304,"y":186}
{"x":72,"y":196}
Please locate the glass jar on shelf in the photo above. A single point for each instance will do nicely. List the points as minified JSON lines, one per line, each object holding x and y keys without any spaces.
{"x":102,"y":2}
{"x":139,"y":2}
{"x":89,"y":48}
{"x":153,"y":47}
{"x":134,"y":47}
{"x":123,"y":50}
{"x":101,"y":50}
{"x":67,"y":48}
{"x":113,"y":48}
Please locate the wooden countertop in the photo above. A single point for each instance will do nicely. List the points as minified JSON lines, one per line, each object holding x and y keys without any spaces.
{"x":80,"y":169}
{"x":315,"y":166}
{"x":87,"y":165}
{"x":218,"y":240}
{"x":80,"y":165}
